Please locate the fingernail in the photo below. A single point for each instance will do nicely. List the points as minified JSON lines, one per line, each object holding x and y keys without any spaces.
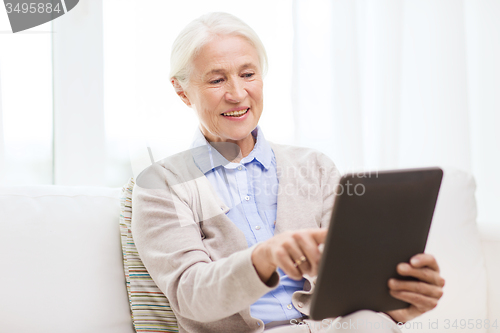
{"x":414,"y":261}
{"x":403,"y":267}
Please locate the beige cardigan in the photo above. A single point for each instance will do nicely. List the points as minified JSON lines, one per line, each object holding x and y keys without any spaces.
{"x":198,"y":258}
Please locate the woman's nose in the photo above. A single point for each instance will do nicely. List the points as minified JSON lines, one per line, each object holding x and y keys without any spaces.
{"x":235,"y":91}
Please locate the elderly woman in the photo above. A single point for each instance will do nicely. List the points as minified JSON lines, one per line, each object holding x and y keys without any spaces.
{"x":230,"y":229}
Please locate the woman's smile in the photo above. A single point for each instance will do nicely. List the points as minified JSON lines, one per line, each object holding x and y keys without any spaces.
{"x":239,"y":113}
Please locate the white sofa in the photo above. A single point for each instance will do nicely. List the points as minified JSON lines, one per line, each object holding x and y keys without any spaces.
{"x":62,"y":269}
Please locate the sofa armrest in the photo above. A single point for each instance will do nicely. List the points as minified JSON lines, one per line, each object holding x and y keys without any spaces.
{"x":490,"y":239}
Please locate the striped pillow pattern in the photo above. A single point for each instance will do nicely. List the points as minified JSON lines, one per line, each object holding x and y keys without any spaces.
{"x":149,"y":307}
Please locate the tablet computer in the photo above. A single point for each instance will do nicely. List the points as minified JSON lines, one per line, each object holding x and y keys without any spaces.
{"x":378,"y":220}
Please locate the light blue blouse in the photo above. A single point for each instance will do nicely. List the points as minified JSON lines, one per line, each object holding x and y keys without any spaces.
{"x":250,"y":190}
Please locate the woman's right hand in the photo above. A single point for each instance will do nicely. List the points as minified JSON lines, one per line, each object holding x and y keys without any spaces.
{"x":285,"y":249}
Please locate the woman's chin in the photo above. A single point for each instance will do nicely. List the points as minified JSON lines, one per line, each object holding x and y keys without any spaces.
{"x":239,"y":133}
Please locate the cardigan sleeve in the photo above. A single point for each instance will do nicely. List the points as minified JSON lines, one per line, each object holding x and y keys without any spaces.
{"x":170,"y":245}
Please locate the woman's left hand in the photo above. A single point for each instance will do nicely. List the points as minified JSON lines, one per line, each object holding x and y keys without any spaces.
{"x":423,"y":295}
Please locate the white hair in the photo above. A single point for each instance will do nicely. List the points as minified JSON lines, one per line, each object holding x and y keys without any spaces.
{"x":203,"y":30}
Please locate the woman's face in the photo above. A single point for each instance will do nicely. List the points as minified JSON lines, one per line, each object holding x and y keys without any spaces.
{"x":225,"y":90}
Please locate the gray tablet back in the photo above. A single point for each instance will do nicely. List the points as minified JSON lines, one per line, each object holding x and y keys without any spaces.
{"x":378,"y":221}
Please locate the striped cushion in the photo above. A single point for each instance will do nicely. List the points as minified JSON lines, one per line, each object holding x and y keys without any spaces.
{"x":150,"y":308}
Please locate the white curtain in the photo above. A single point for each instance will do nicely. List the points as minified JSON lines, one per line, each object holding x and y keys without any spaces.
{"x":79,"y":121}
{"x":2,"y":145}
{"x":400,"y":83}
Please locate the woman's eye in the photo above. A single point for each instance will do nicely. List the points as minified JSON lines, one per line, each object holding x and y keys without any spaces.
{"x":216,"y":81}
{"x":248,"y":75}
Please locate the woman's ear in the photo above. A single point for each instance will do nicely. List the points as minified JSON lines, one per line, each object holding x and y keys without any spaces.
{"x":180,"y":91}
